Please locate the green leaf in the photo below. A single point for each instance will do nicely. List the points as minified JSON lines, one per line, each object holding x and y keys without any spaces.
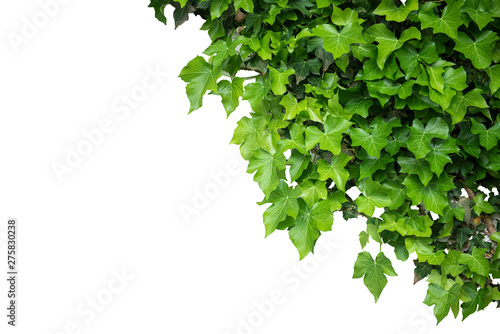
{"x":309,"y":222}
{"x":476,"y":301}
{"x":433,"y":259}
{"x":372,"y":142}
{"x":451,"y":265}
{"x":331,"y":138}
{"x":494,"y":74}
{"x":487,"y":137}
{"x":477,"y":262}
{"x":393,"y":222}
{"x":284,"y":202}
{"x":479,"y":12}
{"x":217,"y":7}
{"x":438,"y":156}
{"x":269,"y":169}
{"x":420,"y":137}
{"x":420,"y":245}
{"x":482,"y":205}
{"x":291,"y":105}
{"x":374,"y":272}
{"x":335,"y":170}
{"x":200,"y":76}
{"x":159,"y":7}
{"x":478,"y":51}
{"x":460,"y":103}
{"x":313,"y":191}
{"x":299,"y":163}
{"x":230,"y":93}
{"x":387,"y":41}
{"x":296,"y":139}
{"x":433,"y":195}
{"x":370,"y":165}
{"x":344,"y":17}
{"x":246,"y":5}
{"x":339,"y":43}
{"x":396,"y":13}
{"x":420,"y":167}
{"x":248,"y":135}
{"x":441,"y":299}
{"x":447,"y":24}
{"x":363,"y":239}
{"x":279,"y":79}
{"x":374,"y":195}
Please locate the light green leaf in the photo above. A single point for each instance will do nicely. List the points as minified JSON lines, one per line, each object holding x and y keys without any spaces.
{"x":396,"y":13}
{"x":335,"y":170}
{"x":372,"y":142}
{"x":374,"y":272}
{"x":374,"y":195}
{"x":230,"y":93}
{"x":478,"y":51}
{"x":442,"y":299}
{"x":494,"y":74}
{"x":477,"y":262}
{"x":482,"y":206}
{"x":447,"y":24}
{"x":420,"y":245}
{"x":487,"y":137}
{"x":284,"y":202}
{"x":200,"y":76}
{"x":438,"y":156}
{"x":331,"y":138}
{"x":433,"y":195}
{"x":269,"y":169}
{"x":313,"y":191}
{"x":451,"y":264}
{"x":248,"y":134}
{"x":246,"y":5}
{"x":291,"y":105}
{"x":420,"y":137}
{"x":279,"y":79}
{"x":387,"y":41}
{"x":339,"y":43}
{"x":420,"y":167}
{"x":460,"y":103}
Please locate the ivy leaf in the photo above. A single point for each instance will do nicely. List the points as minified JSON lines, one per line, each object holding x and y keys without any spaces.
{"x":460,"y":103}
{"x":387,"y":41}
{"x":392,"y":222}
{"x":339,"y":43}
{"x":246,"y":5}
{"x":476,"y":299}
{"x":299,"y":163}
{"x":447,"y":24}
{"x":312,"y":192}
{"x":335,"y":170}
{"x":419,"y":245}
{"x":494,"y":74}
{"x":451,"y":264}
{"x":372,"y":142}
{"x":434,"y":259}
{"x":374,"y":272}
{"x":395,"y":13}
{"x":217,"y":7}
{"x":370,"y":165}
{"x":478,"y":51}
{"x":420,"y":167}
{"x":374,"y":195}
{"x":279,"y":79}
{"x":248,"y":134}
{"x":305,"y":232}
{"x":344,"y":17}
{"x":433,"y":195}
{"x":479,"y":12}
{"x":284,"y":202}
{"x":296,"y":139}
{"x":482,"y":206}
{"x":230,"y":93}
{"x":438,"y":156}
{"x":477,"y":262}
{"x":221,"y":50}
{"x":200,"y":76}
{"x":159,"y":7}
{"x":304,"y":67}
{"x":487,"y":137}
{"x":291,"y":105}
{"x":420,"y":137}
{"x":331,"y":138}
{"x":269,"y":169}
{"x":442,"y":299}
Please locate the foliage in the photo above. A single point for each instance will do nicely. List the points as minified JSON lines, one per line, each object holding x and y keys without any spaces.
{"x":399,"y":100}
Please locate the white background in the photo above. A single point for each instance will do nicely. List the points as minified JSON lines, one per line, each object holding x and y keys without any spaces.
{"x":119,"y":208}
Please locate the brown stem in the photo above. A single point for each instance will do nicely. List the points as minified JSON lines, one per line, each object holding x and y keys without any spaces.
{"x":467,"y":190}
{"x":490,"y":226}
